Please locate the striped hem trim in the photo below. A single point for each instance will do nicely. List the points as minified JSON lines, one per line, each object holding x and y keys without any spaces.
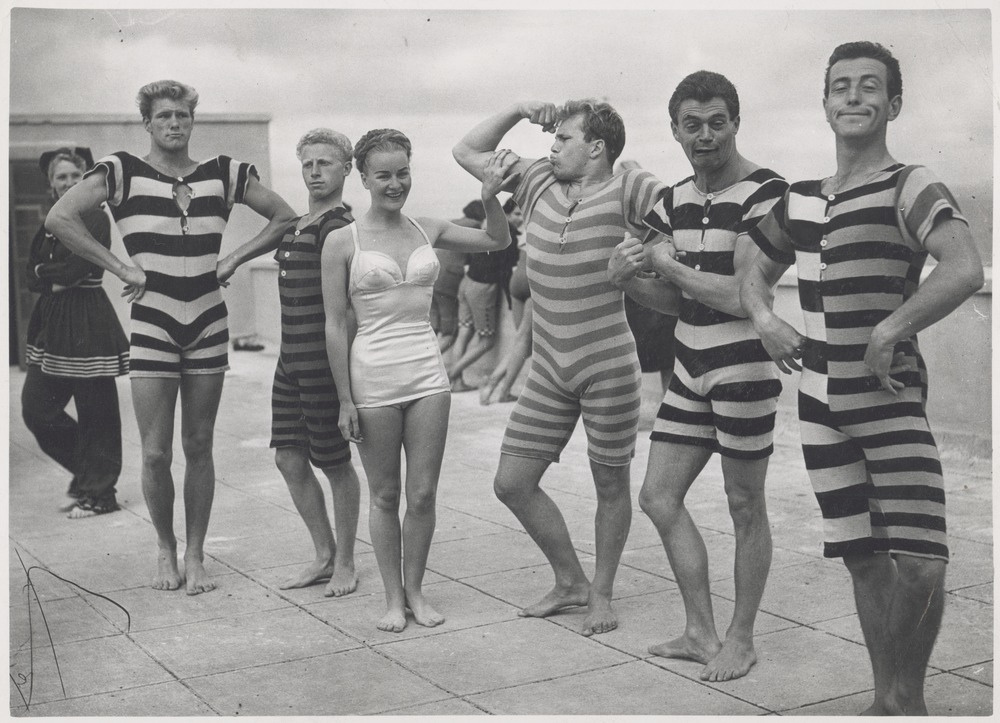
{"x":103,"y":366}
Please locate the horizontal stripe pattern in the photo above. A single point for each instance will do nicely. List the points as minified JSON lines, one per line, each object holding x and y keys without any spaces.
{"x":179,"y":324}
{"x":584,"y":359}
{"x":878,"y":483}
{"x":64,"y":366}
{"x":856,"y":265}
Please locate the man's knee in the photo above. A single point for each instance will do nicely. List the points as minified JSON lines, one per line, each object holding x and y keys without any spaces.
{"x":611,"y":482}
{"x":421,"y":501}
{"x":921,"y":574}
{"x":292,"y":462}
{"x":197,"y":445}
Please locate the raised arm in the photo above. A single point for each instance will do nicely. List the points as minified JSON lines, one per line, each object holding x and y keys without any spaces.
{"x":475,"y":149}
{"x":496,"y":235}
{"x":957,"y":276}
{"x":279,"y":214}
{"x":66,"y":222}
{"x":335,"y":261}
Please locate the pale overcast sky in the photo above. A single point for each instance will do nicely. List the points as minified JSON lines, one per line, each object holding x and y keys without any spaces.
{"x":433,"y":74}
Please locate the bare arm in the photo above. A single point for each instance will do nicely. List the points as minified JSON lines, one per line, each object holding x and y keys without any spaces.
{"x":476,"y":147}
{"x":781,"y":341}
{"x":66,"y":222}
{"x":496,"y":235}
{"x":335,"y":261}
{"x":718,"y":291}
{"x":627,"y":260}
{"x":279,"y":214}
{"x":958,"y":275}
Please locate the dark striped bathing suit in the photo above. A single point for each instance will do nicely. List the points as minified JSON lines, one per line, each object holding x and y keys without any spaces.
{"x":870,"y":454}
{"x":179,"y":326}
{"x":725,"y":388}
{"x":583,"y":355}
{"x":305,"y":407}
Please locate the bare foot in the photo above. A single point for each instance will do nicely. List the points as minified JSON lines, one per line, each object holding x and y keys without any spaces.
{"x":486,"y":391}
{"x":78,"y":513}
{"x":394,"y":621}
{"x":423,"y":613}
{"x":67,"y":504}
{"x":314,"y":572}
{"x":168,"y":577}
{"x":733,"y":661}
{"x":558,"y":599}
{"x":600,"y":617}
{"x":343,"y":582}
{"x":506,"y":399}
{"x":198,"y":580}
{"x":687,"y":648}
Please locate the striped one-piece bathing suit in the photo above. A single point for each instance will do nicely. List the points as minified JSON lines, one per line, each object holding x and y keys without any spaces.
{"x":305,"y":407}
{"x":179,"y":325}
{"x":870,"y":454}
{"x":583,"y":360}
{"x":724,"y":390}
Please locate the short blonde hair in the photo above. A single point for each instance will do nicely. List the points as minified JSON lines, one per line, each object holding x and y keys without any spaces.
{"x":326,"y":137}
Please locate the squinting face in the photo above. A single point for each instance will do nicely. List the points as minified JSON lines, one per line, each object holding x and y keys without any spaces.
{"x":387,"y":178}
{"x":706,"y":133}
{"x":323,"y":170}
{"x":858,"y":103}
{"x":65,"y":175}
{"x":570,"y":152}
{"x":169,"y":124}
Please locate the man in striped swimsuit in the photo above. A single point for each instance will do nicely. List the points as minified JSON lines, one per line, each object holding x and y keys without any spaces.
{"x":859,"y":240}
{"x":584,"y":361}
{"x":724,"y":390}
{"x":305,"y":407}
{"x":171,"y":211}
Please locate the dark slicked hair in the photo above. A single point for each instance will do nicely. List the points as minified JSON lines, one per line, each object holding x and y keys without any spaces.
{"x":380,"y":139}
{"x":601,"y":121}
{"x":703,"y":86}
{"x":475,"y":210}
{"x":867,"y":49}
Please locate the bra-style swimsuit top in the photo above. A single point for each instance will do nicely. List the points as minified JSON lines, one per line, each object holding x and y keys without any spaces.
{"x":394,"y":357}
{"x":382,"y":294}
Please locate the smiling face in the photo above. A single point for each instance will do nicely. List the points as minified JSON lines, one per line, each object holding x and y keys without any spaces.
{"x":323,"y":170}
{"x":387,"y":178}
{"x":63,"y":176}
{"x":858,"y":103}
{"x":706,"y":133}
{"x":169,"y":124}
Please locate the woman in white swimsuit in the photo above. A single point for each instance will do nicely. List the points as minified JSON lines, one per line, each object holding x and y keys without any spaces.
{"x":393,"y":387}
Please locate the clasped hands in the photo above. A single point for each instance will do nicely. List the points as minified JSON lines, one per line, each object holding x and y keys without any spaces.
{"x":632,"y":258}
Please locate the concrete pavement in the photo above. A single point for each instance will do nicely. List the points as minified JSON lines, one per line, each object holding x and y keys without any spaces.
{"x":249,"y":648}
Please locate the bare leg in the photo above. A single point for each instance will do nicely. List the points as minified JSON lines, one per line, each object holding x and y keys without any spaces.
{"x":293,"y":463}
{"x":900,"y":606}
{"x":382,"y":428}
{"x":345,"y":489}
{"x":154,"y":400}
{"x":479,"y":346}
{"x":425,"y":429}
{"x":914,"y":622}
{"x":874,"y":578}
{"x":611,"y":526}
{"x":520,"y":352}
{"x":744,"y":480}
{"x":671,"y":470}
{"x":517,"y":486}
{"x":200,"y":395}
